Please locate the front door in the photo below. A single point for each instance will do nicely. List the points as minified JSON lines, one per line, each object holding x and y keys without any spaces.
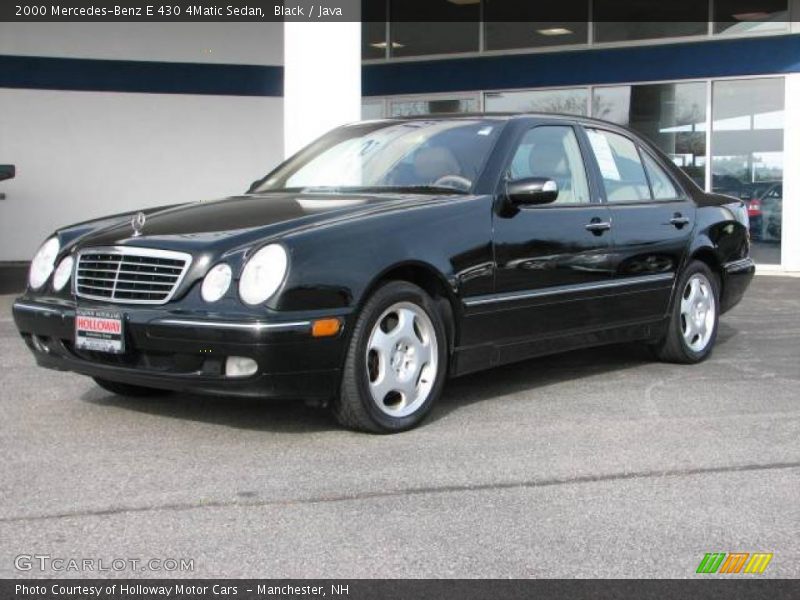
{"x":551,"y":260}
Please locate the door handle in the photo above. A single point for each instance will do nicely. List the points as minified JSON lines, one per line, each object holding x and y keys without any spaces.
{"x":597,"y":227}
{"x":678,"y":220}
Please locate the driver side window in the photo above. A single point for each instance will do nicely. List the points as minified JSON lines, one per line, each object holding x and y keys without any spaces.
{"x":552,"y":151}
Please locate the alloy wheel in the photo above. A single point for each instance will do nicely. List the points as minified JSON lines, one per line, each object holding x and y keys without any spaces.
{"x":698,"y":312}
{"x":402,"y":359}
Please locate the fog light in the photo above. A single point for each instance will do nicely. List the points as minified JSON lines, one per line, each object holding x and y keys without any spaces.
{"x":239,"y":366}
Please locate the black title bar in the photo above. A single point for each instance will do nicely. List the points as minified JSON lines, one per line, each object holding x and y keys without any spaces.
{"x":558,"y":11}
{"x":418,"y":589}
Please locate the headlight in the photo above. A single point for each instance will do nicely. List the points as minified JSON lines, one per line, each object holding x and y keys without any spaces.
{"x":63,"y":272}
{"x":216,"y":283}
{"x":263,"y":274}
{"x":43,"y":262}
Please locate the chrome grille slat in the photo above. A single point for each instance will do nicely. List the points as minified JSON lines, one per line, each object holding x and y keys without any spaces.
{"x":130,"y":275}
{"x":112,"y":273}
{"x":95,"y":278}
{"x":133,"y":264}
{"x":159,"y":283}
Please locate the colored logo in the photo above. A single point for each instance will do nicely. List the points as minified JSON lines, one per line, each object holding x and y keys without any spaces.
{"x":734,"y":562}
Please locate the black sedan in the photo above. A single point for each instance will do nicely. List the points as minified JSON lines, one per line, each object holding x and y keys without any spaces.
{"x":390,"y":255}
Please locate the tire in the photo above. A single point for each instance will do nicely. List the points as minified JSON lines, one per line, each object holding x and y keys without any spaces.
{"x":396,"y":362}
{"x":126,"y":389}
{"x":694,"y":320}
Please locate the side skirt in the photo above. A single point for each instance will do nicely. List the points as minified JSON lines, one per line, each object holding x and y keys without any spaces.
{"x":476,"y":358}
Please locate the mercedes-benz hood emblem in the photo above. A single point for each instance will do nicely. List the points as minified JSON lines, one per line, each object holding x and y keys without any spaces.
{"x":137,"y":222}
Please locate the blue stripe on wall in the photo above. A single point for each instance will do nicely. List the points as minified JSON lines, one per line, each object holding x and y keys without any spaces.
{"x":719,"y":58}
{"x":91,"y":75}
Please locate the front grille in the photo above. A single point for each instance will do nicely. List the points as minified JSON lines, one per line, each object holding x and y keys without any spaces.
{"x":130,"y":275}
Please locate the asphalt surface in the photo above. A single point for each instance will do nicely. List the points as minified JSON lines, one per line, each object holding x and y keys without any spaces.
{"x":594,"y":463}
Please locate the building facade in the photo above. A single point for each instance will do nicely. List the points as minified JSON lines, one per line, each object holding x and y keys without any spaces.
{"x":719,"y":94}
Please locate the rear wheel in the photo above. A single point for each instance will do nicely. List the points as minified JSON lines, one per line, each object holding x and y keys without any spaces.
{"x":695,"y":316}
{"x":396,"y":363}
{"x":126,"y":389}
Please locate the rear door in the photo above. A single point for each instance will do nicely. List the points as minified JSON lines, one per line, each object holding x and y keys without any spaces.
{"x":652,"y":220}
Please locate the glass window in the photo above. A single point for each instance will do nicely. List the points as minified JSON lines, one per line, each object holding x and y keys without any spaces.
{"x":373,"y":40}
{"x":620,"y":166}
{"x":567,"y":101}
{"x":750,"y":16}
{"x":747,"y":161}
{"x":371,"y":109}
{"x":373,"y":30}
{"x":438,"y":27}
{"x":436,"y":106}
{"x":447,"y":154}
{"x":623,"y":20}
{"x":514,"y":24}
{"x":660,"y":183}
{"x":671,"y":115}
{"x":553,"y":152}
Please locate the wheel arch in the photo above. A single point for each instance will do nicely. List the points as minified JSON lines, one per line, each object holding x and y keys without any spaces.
{"x":707,"y":255}
{"x":430,"y":279}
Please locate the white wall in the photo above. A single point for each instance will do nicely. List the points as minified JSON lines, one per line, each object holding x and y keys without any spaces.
{"x":81,"y":155}
{"x":233,"y":43}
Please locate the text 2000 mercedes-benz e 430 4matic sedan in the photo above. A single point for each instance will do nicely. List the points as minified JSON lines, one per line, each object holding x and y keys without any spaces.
{"x":389,"y":255}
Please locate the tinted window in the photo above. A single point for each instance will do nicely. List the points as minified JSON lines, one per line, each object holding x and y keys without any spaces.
{"x":620,"y":166}
{"x":515,"y":24}
{"x":434,"y":106}
{"x":660,"y":182}
{"x":749,"y":16}
{"x":748,"y":142}
{"x":373,"y":37}
{"x":566,"y":101}
{"x":621,"y":20}
{"x":554,"y":153}
{"x":422,"y":27}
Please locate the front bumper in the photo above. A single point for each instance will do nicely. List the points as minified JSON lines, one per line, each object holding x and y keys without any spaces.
{"x":186,"y":351}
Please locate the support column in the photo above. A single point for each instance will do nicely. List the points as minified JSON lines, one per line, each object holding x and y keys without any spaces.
{"x":322,"y":79}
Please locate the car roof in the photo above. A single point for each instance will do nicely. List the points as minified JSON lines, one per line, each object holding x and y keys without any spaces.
{"x":506,"y":116}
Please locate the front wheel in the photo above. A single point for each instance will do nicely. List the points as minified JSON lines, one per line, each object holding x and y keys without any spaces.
{"x":695,"y":316}
{"x":396,"y":363}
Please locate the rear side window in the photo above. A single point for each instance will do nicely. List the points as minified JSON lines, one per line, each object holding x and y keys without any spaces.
{"x":660,"y":182}
{"x":620,"y":166}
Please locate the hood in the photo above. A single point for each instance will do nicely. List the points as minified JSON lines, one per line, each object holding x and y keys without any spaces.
{"x":239,"y":221}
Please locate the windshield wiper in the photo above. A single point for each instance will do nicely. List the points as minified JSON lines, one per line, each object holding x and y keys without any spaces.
{"x":370,"y":189}
{"x":425,"y":189}
{"x":409,"y":189}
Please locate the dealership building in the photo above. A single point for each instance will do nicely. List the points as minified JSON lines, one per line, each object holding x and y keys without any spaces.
{"x":109,"y":117}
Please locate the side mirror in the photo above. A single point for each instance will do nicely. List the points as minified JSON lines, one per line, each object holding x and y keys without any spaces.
{"x":533,"y":190}
{"x":7,"y":172}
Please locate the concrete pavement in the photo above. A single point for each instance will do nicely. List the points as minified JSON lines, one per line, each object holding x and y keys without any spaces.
{"x":594,"y":463}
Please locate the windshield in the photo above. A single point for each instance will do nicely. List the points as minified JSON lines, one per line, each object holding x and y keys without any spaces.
{"x":425,"y":156}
